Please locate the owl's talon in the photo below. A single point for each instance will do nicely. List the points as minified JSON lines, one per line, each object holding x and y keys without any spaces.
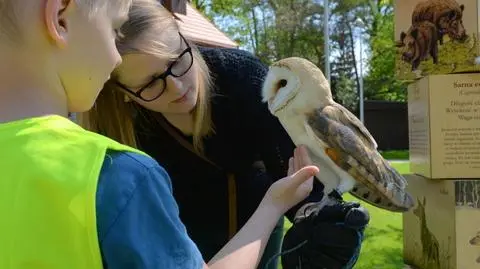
{"x":308,"y":209}
{"x":335,"y":195}
{"x":313,"y":208}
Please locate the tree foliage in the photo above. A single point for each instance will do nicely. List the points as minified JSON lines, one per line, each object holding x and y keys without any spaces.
{"x":276,"y":29}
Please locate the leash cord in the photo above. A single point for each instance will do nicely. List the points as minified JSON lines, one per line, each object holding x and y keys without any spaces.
{"x":285,"y":252}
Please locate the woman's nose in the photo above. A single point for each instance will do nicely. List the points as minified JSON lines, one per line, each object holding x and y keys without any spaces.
{"x":174,"y":83}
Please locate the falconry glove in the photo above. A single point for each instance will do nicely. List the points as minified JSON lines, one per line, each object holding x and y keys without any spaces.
{"x":328,"y":239}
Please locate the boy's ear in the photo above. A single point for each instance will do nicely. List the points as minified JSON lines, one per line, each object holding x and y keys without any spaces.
{"x":56,"y":20}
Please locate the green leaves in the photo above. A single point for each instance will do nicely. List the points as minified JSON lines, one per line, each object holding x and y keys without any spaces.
{"x":381,"y":83}
{"x":276,"y":29}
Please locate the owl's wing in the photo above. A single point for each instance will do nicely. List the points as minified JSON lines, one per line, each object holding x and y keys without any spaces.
{"x":350,"y":146}
{"x":347,"y":118}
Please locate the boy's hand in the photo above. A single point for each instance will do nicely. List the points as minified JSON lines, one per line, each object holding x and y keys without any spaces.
{"x":290,"y":190}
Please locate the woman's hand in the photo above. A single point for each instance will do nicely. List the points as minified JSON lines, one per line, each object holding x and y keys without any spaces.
{"x":330,"y":239}
{"x":289,"y":191}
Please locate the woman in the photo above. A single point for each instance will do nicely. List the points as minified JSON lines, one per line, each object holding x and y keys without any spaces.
{"x":203,"y":107}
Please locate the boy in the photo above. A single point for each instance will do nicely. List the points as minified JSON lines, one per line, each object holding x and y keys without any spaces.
{"x":74,"y":199}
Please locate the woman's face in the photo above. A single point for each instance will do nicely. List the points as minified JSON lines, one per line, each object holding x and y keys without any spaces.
{"x":176,"y":93}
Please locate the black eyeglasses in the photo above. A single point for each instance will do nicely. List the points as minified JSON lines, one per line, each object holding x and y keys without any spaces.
{"x":155,"y":88}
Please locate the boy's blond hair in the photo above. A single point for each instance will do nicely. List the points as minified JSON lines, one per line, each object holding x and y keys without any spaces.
{"x":11,"y":9}
{"x":111,"y":115}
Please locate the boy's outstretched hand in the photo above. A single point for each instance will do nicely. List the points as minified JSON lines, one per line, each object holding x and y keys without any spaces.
{"x":289,"y":191}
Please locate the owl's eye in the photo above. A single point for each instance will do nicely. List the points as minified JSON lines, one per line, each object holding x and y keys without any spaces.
{"x":280,"y":84}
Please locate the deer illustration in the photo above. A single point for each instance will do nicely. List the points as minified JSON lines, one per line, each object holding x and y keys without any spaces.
{"x":475,"y":241}
{"x":430,"y":246}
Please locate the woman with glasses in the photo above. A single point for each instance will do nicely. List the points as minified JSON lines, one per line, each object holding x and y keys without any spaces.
{"x":198,"y":112}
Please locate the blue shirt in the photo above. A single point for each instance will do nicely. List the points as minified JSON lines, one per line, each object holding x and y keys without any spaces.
{"x":138,"y":219}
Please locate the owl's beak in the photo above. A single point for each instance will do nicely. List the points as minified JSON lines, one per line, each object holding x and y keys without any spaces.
{"x":275,"y":107}
{"x":272,"y":105}
{"x":270,"y":101}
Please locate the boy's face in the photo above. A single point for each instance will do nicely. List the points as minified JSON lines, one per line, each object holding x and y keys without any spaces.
{"x":84,"y":48}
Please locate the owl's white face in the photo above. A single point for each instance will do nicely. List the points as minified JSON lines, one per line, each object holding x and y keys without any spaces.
{"x":280,"y":88}
{"x":294,"y":87}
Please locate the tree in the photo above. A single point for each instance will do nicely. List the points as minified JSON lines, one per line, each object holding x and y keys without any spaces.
{"x":381,"y":83}
{"x":345,"y":75}
{"x":276,"y":29}
{"x":273,"y":29}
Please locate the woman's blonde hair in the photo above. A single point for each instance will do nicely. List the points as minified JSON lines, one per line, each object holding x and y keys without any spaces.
{"x":111,"y":115}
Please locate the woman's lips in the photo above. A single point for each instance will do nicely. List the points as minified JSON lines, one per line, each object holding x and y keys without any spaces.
{"x":184,"y":97}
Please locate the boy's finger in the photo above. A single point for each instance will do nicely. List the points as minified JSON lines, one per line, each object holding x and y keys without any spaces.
{"x":296,"y":160}
{"x":306,"y":186}
{"x":304,"y":174}
{"x":303,"y":156}
{"x":290,"y":166}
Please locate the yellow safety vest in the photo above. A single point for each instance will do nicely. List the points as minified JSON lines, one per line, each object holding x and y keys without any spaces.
{"x":49,"y":169}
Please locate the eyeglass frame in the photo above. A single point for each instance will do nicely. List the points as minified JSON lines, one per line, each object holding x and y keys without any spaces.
{"x":163,"y":76}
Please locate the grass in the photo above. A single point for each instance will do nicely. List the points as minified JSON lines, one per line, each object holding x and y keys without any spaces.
{"x":395,"y":154}
{"x":383,"y":244}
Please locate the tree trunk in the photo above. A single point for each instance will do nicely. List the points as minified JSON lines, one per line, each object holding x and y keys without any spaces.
{"x":255,"y":28}
{"x":352,"y":48}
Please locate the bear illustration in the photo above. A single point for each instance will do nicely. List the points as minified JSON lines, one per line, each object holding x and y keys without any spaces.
{"x":445,"y":14}
{"x":419,"y":41}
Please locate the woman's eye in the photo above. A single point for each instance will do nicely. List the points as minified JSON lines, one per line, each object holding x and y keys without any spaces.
{"x":118,"y":33}
{"x":170,"y":63}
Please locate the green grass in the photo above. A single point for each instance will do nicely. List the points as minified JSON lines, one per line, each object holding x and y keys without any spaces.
{"x":395,"y":154}
{"x":383,"y":244}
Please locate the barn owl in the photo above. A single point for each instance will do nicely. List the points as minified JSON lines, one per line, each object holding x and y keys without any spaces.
{"x":298,"y":94}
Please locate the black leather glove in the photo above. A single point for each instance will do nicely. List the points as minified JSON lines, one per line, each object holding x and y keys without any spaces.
{"x":330,"y":239}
